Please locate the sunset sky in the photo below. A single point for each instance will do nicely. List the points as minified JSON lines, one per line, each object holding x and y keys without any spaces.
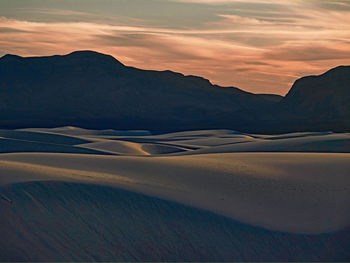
{"x":260,"y":46}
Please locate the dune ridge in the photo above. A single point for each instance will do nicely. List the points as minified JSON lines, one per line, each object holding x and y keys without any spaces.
{"x":60,"y":221}
{"x":291,"y":186}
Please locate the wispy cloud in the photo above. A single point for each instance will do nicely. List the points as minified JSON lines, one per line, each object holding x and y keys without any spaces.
{"x":53,"y":11}
{"x":258,"y":45}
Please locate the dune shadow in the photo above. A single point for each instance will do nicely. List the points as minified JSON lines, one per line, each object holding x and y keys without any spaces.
{"x":60,"y":221}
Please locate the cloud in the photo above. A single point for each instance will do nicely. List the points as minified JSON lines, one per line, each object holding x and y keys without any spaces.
{"x":53,"y":11}
{"x":311,"y":52}
{"x":258,"y":45}
{"x":289,"y":2}
{"x":220,"y":2}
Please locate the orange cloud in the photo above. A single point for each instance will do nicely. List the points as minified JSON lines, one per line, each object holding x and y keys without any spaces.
{"x":262,"y":51}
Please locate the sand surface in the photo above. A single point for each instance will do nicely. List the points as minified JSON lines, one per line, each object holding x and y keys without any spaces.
{"x":297,"y":183}
{"x":55,"y":221}
{"x":69,"y":194}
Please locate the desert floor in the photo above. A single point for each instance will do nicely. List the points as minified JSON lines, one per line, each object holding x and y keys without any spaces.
{"x":69,"y":194}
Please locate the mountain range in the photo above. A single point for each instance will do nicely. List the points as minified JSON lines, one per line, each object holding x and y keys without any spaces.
{"x":93,"y":90}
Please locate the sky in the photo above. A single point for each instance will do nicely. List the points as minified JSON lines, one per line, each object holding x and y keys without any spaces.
{"x":261,"y":46}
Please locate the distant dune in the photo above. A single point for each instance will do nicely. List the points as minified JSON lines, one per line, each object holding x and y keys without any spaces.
{"x":211,"y":195}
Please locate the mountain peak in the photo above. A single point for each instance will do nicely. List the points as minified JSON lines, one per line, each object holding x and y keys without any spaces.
{"x":87,"y":53}
{"x":92,"y":55}
{"x":10,"y":57}
{"x":340,"y":71}
{"x":76,"y":55}
{"x":321,"y":97}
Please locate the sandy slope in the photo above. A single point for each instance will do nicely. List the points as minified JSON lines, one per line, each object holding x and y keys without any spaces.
{"x":64,"y":222}
{"x":288,"y":192}
{"x":116,"y":147}
{"x":75,"y":131}
{"x":337,"y":143}
{"x":294,"y":183}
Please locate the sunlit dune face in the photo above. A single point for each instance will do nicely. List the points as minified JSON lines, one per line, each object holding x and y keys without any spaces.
{"x":258,"y":45}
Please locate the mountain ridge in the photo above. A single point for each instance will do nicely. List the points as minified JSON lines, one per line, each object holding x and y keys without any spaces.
{"x":93,"y":90}
{"x":90,"y":53}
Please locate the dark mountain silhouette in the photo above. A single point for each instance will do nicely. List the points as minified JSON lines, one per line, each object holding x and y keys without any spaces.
{"x":320,"y":101}
{"x":94,"y":90}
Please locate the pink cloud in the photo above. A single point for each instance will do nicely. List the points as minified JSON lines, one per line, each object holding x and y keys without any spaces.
{"x":262,"y":54}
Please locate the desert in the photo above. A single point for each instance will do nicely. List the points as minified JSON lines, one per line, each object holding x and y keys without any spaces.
{"x":289,"y":186}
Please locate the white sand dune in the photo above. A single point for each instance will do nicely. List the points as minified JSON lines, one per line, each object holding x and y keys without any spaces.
{"x":330,"y":143}
{"x":200,"y":133}
{"x":161,"y":148}
{"x":55,"y":221}
{"x":217,"y":170}
{"x":116,"y":147}
{"x":290,"y":135}
{"x":286,"y":192}
{"x":215,"y":141}
{"x":8,"y":145}
{"x":43,"y":137}
{"x":75,"y":131}
{"x":222,"y":141}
